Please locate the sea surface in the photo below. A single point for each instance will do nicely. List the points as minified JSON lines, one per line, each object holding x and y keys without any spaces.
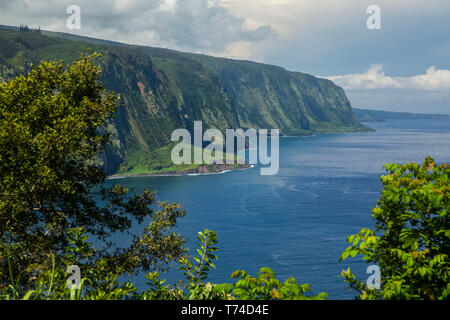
{"x":297,"y":221}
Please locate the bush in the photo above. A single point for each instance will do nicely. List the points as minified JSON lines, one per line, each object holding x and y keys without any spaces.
{"x":410,"y":242}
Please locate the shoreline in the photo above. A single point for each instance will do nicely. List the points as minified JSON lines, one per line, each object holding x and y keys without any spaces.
{"x":201,"y":170}
{"x":219,"y":168}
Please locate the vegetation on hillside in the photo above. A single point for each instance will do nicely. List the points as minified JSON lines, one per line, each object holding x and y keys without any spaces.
{"x":163,"y":90}
{"x":159,"y":162}
{"x":271,"y":97}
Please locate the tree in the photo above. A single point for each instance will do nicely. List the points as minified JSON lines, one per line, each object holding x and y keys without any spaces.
{"x":51,"y":184}
{"x":410,"y":242}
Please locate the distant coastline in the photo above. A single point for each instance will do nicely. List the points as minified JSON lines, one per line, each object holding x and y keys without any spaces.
{"x":367,"y":115}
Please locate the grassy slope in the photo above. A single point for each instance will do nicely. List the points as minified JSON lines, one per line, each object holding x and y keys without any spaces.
{"x":159,"y":161}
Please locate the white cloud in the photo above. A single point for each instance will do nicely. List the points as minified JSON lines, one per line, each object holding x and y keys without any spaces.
{"x":168,"y":5}
{"x":432,"y":80}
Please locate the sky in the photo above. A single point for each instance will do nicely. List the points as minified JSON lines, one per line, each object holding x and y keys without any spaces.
{"x":404,"y":65}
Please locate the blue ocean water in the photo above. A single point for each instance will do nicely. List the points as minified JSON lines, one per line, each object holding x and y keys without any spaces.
{"x":297,"y":221}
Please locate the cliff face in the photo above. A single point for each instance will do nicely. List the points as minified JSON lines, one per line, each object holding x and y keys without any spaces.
{"x":271,"y":97}
{"x":163,"y":90}
{"x":159,"y":96}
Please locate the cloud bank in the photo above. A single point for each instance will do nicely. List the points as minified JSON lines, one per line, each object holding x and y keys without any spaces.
{"x":432,"y":80}
{"x":424,"y":93}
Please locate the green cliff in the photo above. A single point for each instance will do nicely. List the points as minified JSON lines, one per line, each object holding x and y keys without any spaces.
{"x":162,"y":90}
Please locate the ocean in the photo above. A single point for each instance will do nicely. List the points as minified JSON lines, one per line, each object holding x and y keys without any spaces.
{"x":297,"y":222}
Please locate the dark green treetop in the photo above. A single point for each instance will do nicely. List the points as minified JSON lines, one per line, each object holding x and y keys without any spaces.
{"x":52,"y":133}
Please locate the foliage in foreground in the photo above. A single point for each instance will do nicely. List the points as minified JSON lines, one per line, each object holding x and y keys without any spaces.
{"x":52,"y":131}
{"x":410,"y":242}
{"x":55,"y":283}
